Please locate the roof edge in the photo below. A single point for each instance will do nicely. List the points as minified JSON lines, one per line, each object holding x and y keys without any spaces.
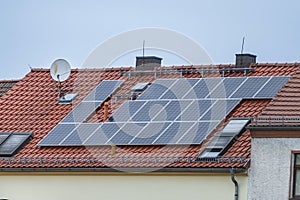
{"x":129,"y":170}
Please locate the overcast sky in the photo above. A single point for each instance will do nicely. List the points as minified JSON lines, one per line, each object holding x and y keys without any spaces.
{"x":37,"y":32}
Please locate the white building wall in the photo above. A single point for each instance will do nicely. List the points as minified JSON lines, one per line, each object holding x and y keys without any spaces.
{"x":269,"y":175}
{"x":130,"y":187}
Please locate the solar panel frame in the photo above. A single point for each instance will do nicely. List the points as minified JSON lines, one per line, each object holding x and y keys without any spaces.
{"x":102,"y":91}
{"x":57,"y":134}
{"x":196,"y":110}
{"x":127,"y":110}
{"x":80,"y":134}
{"x":198,"y":132}
{"x":148,"y":111}
{"x":156,"y":89}
{"x":127,"y":133}
{"x":249,"y":87}
{"x":173,"y":133}
{"x":226,"y":87}
{"x":81,"y":112}
{"x":271,"y":88}
{"x":202,"y":88}
{"x":220,"y":109}
{"x":149,"y":133}
{"x":179,"y":89}
{"x":172,"y":110}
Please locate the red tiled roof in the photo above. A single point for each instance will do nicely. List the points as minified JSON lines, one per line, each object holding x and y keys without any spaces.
{"x":31,"y":106}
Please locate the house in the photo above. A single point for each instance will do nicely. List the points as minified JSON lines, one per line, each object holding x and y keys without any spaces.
{"x":175,"y":132}
{"x":276,"y":146}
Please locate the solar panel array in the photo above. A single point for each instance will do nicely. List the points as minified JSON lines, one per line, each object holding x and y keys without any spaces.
{"x":170,"y":111}
{"x":74,"y":120}
{"x":229,"y":87}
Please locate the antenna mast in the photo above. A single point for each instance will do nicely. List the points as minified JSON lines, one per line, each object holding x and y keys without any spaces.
{"x":143,"y":52}
{"x":242,"y":50}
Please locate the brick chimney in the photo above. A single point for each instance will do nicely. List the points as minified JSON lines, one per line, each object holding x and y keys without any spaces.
{"x":147,"y":63}
{"x":244,"y":60}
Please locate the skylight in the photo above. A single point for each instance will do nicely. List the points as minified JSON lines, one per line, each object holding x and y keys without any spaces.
{"x":222,"y":141}
{"x":10,"y":143}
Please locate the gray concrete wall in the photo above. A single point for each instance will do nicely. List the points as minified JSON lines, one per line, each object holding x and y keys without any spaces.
{"x":269,"y":175}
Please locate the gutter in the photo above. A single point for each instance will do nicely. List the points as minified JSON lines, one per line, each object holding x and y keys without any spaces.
{"x":207,"y":170}
{"x":236,"y":185}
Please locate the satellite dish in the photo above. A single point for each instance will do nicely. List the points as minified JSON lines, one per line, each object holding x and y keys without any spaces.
{"x":60,"y":70}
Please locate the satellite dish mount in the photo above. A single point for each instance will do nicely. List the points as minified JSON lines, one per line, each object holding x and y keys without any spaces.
{"x":60,"y":71}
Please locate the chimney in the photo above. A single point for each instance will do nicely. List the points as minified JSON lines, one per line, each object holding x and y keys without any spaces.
{"x":147,"y":63}
{"x":244,"y":60}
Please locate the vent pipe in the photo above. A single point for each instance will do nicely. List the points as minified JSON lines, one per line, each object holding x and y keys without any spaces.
{"x":105,"y":111}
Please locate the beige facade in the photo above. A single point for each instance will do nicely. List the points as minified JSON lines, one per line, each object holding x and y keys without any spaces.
{"x":119,"y":186}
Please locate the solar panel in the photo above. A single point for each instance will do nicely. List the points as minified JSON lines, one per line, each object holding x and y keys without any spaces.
{"x":127,"y":133}
{"x":103,"y":134}
{"x":227,"y":87}
{"x":173,"y":133}
{"x":82,"y":111}
{"x":202,"y":88}
{"x":150,"y":133}
{"x":80,"y":134}
{"x":179,"y":89}
{"x":195,"y":110}
{"x":57,"y":134}
{"x":157,"y":88}
{"x":13,"y":143}
{"x":149,"y":110}
{"x":272,"y":87}
{"x":103,"y":90}
{"x":126,"y":111}
{"x":198,"y":132}
{"x":249,"y":87}
{"x":172,"y":110}
{"x":220,"y":109}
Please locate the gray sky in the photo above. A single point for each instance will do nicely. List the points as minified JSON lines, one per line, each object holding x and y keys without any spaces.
{"x":37,"y":32}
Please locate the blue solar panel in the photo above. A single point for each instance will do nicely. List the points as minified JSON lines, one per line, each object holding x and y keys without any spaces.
{"x":195,"y":110}
{"x":272,"y":87}
{"x":126,"y":111}
{"x":81,"y":112}
{"x":57,"y":134}
{"x":103,"y":134}
{"x":250,"y":87}
{"x":179,"y":89}
{"x":80,"y":134}
{"x":127,"y":133}
{"x":202,"y":88}
{"x":149,"y":110}
{"x":157,"y":88}
{"x":150,"y":132}
{"x":172,"y":110}
{"x":173,"y":133}
{"x":227,"y":87}
{"x":198,"y":132}
{"x":220,"y":109}
{"x":103,"y":90}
